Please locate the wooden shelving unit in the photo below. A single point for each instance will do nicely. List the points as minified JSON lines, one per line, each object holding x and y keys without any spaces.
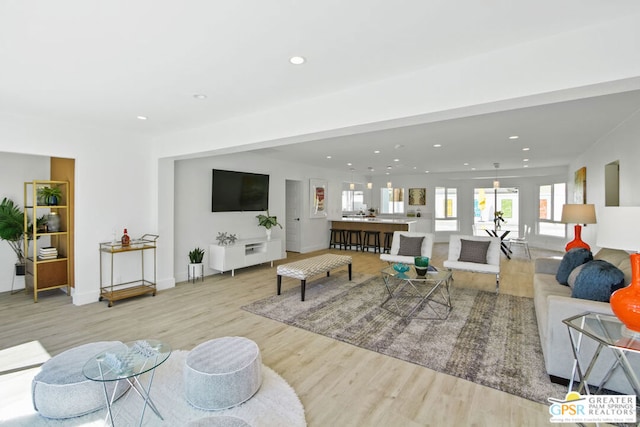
{"x":45,"y":274}
{"x":118,"y":291}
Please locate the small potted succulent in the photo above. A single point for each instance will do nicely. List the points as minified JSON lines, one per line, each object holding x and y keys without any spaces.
{"x":49,"y":196}
{"x":196,"y":268}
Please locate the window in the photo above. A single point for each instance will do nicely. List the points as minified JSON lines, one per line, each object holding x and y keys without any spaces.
{"x":446,"y":207}
{"x":353,"y":201}
{"x":485,"y":201}
{"x":392,"y":200}
{"x":551,"y":199}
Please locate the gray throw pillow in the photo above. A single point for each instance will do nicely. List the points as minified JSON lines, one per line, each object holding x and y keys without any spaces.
{"x":597,"y":280}
{"x":473,"y":251}
{"x":410,"y":246}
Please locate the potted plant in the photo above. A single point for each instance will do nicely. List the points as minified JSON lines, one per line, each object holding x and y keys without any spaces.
{"x":12,"y":230}
{"x":267,"y":221}
{"x":49,"y":195}
{"x":196,"y":269}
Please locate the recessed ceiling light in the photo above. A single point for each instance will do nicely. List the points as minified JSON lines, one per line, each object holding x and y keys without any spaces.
{"x":525,"y":166}
{"x":376,"y":152}
{"x":200,"y":96}
{"x":514,"y":137}
{"x":526,"y":149}
{"x":142,"y":117}
{"x":349,"y":164}
{"x":396,"y":160}
{"x":389,"y":167}
{"x":328,"y":157}
{"x":473,"y":169}
{"x":466,"y":164}
{"x":387,"y":173}
{"x":426,"y":171}
{"x":437,"y":145}
{"x":398,"y":146}
{"x":525,"y":160}
{"x":297,"y":60}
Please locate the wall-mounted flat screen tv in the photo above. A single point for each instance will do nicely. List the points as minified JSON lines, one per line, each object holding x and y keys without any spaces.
{"x":233,"y":191}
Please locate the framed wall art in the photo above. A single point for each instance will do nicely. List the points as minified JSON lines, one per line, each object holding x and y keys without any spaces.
{"x":417,"y":196}
{"x":318,"y":198}
{"x":580,"y":186}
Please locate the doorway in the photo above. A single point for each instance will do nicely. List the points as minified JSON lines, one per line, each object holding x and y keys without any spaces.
{"x":293,"y":212}
{"x":485,"y":201}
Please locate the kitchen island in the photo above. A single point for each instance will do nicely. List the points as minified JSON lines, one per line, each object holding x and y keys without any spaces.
{"x":374,"y":224}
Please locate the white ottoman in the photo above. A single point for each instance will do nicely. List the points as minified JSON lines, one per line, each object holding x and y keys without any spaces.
{"x":222,"y":373}
{"x":221,"y":421}
{"x":60,"y":390}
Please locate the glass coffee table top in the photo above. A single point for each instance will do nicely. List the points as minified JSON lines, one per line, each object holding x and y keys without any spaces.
{"x":126,"y":360}
{"x":412,"y":296}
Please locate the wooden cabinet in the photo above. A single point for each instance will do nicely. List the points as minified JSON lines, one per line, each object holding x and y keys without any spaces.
{"x":47,"y":240}
{"x":244,"y":253}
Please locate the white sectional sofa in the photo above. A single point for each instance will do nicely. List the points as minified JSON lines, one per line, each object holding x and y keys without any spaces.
{"x":553,"y":303}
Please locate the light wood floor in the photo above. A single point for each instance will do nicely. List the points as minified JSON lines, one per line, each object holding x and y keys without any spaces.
{"x":339,"y":384}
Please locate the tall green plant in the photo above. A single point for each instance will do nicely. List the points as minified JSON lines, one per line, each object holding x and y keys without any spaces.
{"x":12,"y":227}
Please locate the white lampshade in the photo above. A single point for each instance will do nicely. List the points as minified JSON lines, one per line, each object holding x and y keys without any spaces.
{"x":618,"y":228}
{"x":578,"y":214}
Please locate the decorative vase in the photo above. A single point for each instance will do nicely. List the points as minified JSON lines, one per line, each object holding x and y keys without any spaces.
{"x":268,"y":231}
{"x":421,"y":264}
{"x":52,"y":201}
{"x":53,"y":222}
{"x":625,"y":302}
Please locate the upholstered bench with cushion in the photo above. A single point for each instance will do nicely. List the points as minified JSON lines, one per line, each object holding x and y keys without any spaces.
{"x":60,"y":390}
{"x":222,"y":373}
{"x":310,"y":267}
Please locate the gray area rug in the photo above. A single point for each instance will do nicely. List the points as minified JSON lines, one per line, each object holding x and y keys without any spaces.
{"x":488,"y":339}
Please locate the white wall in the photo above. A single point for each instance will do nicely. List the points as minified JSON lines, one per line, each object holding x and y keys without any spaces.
{"x":197,"y":226}
{"x":113,"y":187}
{"x":622,"y":144}
{"x":15,"y":170}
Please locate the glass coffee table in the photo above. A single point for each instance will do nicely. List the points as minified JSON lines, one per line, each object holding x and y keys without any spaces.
{"x":127,"y":362}
{"x":408,"y":292}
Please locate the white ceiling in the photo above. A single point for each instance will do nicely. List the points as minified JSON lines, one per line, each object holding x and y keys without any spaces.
{"x":103,"y":63}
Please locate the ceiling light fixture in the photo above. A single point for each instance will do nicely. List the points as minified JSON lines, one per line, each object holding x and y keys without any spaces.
{"x":496,"y":183}
{"x":376,"y":152}
{"x":369,"y":185}
{"x":142,"y":117}
{"x":200,"y":96}
{"x":514,"y":137}
{"x":526,"y":149}
{"x":389,"y":185}
{"x":328,"y":157}
{"x":396,"y":160}
{"x":352,"y":185}
{"x":437,"y":145}
{"x":297,"y":60}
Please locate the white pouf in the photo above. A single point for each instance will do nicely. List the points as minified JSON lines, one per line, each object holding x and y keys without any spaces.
{"x":222,"y":373}
{"x":60,"y":389}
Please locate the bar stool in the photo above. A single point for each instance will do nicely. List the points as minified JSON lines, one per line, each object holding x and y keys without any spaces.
{"x":366,"y":241}
{"x":354,"y":238}
{"x":338,"y":238}
{"x":388,"y":238}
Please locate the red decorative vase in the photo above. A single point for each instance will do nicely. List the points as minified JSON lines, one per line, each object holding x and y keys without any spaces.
{"x":625,"y":302}
{"x":577,"y":241}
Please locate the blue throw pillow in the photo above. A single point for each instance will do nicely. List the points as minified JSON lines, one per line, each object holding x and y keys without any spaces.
{"x":571,"y":260}
{"x":597,"y":280}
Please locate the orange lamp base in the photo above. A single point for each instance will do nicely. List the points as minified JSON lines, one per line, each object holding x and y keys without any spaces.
{"x":625,"y":302}
{"x":577,"y":241}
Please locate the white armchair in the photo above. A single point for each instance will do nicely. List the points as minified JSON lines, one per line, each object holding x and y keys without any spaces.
{"x":473,"y":256}
{"x":395,"y":255}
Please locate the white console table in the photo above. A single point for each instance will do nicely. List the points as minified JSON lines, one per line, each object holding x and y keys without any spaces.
{"x":244,"y":253}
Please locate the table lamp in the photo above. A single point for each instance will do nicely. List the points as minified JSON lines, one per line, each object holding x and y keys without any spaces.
{"x":618,"y":229}
{"x":578,"y":214}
